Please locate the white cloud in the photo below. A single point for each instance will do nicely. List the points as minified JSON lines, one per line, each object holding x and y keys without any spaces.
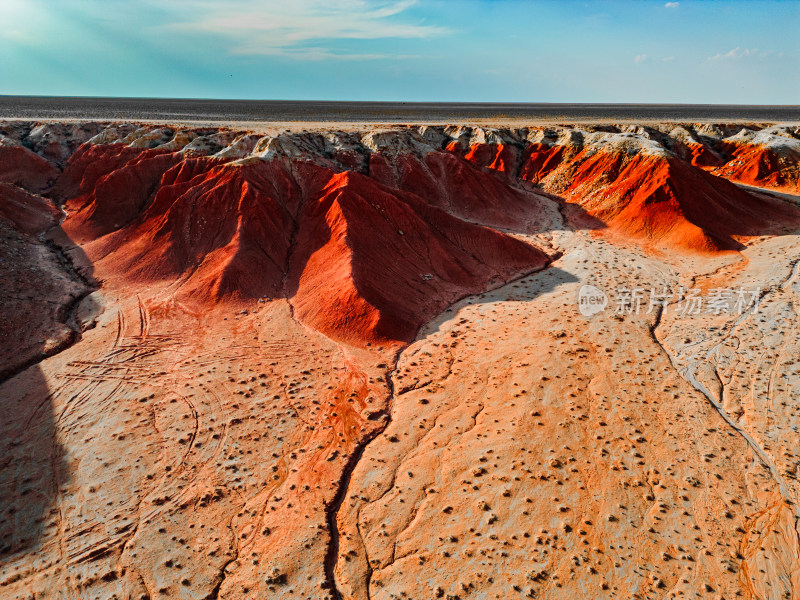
{"x":672,"y":4}
{"x":323,"y":54}
{"x":668,"y":58}
{"x":305,"y":29}
{"x":737,"y":52}
{"x":640,"y":58}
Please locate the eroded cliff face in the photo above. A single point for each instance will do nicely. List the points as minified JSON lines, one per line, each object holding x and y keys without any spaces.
{"x":352,"y":364}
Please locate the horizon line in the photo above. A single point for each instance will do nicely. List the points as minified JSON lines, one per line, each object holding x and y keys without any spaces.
{"x":388,"y":102}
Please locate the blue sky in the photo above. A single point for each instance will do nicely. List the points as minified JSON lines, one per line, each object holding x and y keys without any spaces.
{"x":438,"y":50}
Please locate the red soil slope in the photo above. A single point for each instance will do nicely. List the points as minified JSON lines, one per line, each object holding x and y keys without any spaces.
{"x":759,"y":165}
{"x":89,"y":163}
{"x":117,"y":197}
{"x":390,"y":261}
{"x":22,"y":167}
{"x":362,"y":261}
{"x":502,"y":158}
{"x":369,"y":258}
{"x":26,"y":212}
{"x":539,"y":160}
{"x":698,"y":155}
{"x":222,"y":232}
{"x":667,"y":201}
{"x":455,"y":185}
{"x":666,"y":198}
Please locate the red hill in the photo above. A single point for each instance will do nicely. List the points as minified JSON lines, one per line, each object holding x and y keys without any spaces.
{"x":763,"y":164}
{"x":390,"y":261}
{"x":503,"y":158}
{"x":455,"y":185}
{"x":119,"y":196}
{"x":221,"y":232}
{"x":24,"y":168}
{"x":26,"y":212}
{"x":666,"y":200}
{"x":361,"y":261}
{"x":539,"y":160}
{"x":371,"y":256}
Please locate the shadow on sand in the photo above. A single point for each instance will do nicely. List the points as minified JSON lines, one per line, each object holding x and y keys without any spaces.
{"x":34,"y":326}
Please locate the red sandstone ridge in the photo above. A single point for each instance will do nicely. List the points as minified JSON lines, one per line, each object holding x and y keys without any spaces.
{"x":635,"y":185}
{"x":23,"y":167}
{"x":642,"y":182}
{"x":26,"y":212}
{"x":539,"y":160}
{"x":766,"y":158}
{"x":668,"y":202}
{"x":90,"y":163}
{"x":371,"y":236}
{"x":220,"y":232}
{"x":699,"y":155}
{"x":689,"y":145}
{"x":389,"y":261}
{"x":32,"y":155}
{"x":361,"y":261}
{"x":455,"y":185}
{"x":448,"y":180}
{"x":116,"y":197}
{"x":502,"y":158}
{"x":371,"y":255}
